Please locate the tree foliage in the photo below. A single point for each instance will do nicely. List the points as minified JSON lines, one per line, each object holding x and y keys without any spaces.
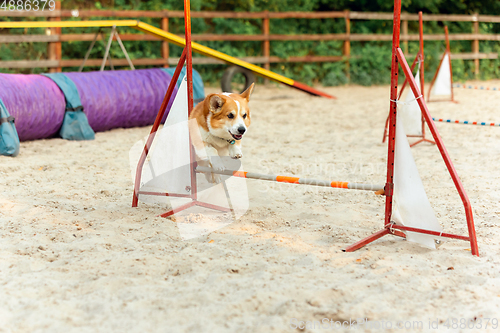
{"x":370,"y":63}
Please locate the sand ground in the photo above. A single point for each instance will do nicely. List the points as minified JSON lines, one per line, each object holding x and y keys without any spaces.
{"x":75,"y":257}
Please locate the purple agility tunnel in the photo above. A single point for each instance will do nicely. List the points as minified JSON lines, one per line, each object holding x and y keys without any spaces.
{"x":36,"y":103}
{"x":110,"y":99}
{"x":115,"y":99}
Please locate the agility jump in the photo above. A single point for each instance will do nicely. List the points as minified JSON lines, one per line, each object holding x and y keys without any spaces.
{"x":391,"y":224}
{"x":398,"y":59}
{"x":442,"y":82}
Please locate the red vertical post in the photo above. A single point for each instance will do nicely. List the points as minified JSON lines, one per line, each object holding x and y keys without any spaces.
{"x":189,"y":74}
{"x":189,"y":53}
{"x":421,"y":34}
{"x":389,"y":186}
{"x":159,"y":117}
{"x":422,"y":57}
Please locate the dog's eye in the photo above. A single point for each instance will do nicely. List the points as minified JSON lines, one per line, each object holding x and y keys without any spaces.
{"x":230,"y":116}
{"x":245,"y":116}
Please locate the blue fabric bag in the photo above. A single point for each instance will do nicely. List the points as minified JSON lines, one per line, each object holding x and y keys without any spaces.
{"x":9,"y":140}
{"x":75,"y":124}
{"x":198,"y":88}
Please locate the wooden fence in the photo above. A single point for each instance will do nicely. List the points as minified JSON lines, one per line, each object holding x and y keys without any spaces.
{"x":54,"y":36}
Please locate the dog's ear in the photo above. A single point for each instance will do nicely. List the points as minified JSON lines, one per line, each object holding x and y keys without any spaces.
{"x":215,"y":103}
{"x":246,"y":94}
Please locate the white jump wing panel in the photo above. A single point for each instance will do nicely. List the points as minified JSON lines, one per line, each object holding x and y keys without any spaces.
{"x":411,"y":207}
{"x":442,"y":84}
{"x":167,"y":167}
{"x":410,"y":111}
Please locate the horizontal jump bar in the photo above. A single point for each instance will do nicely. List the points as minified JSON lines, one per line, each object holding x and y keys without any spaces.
{"x":468,"y":86}
{"x":293,"y":180}
{"x":465,"y":122}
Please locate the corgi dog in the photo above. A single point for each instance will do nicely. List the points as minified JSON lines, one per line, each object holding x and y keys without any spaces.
{"x":221,"y":122}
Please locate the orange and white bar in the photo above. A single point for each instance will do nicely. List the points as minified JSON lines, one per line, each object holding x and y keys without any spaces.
{"x":293,"y":180}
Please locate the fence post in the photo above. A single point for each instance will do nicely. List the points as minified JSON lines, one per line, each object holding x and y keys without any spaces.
{"x":405,"y":35}
{"x":475,"y":45}
{"x":54,"y":49}
{"x":165,"y":51}
{"x":347,"y":44}
{"x":266,"y":44}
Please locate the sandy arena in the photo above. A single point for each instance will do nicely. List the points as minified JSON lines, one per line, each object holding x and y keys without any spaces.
{"x":75,"y":257}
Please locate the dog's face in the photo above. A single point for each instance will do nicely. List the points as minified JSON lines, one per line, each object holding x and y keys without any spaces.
{"x":229,"y":115}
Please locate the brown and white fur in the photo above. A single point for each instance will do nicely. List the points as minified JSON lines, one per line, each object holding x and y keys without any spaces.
{"x":220,"y":119}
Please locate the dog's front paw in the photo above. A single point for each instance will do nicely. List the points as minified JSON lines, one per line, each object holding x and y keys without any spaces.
{"x":235,"y":153}
{"x":237,"y":156}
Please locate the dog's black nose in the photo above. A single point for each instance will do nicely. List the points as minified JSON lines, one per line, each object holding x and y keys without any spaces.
{"x":241,"y":129}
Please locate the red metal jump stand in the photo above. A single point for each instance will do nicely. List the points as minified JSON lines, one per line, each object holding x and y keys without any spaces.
{"x":447,"y":52}
{"x":186,"y":57}
{"x":398,"y":59}
{"x":419,"y":59}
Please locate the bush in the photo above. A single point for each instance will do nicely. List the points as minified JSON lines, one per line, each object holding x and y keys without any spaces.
{"x":370,"y":63}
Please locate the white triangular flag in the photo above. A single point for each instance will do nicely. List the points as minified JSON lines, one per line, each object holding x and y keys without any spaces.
{"x":442,"y":84}
{"x":410,"y":111}
{"x":167,"y":168}
{"x":411,"y":205}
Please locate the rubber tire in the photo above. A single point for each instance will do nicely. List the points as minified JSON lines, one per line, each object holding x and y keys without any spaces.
{"x":227,"y":78}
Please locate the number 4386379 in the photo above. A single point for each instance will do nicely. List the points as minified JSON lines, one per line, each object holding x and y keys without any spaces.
{"x":27,"y":5}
